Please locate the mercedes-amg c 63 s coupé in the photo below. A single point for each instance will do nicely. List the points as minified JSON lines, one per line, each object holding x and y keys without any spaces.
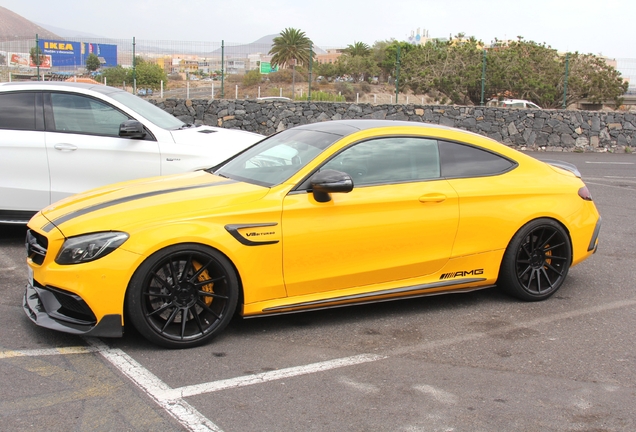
{"x":321,"y":215}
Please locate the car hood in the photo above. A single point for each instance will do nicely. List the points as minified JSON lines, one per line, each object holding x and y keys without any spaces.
{"x":227,"y":142}
{"x":156,"y":200}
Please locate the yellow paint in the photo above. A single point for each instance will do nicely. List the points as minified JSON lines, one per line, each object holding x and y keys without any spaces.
{"x":372,"y":239}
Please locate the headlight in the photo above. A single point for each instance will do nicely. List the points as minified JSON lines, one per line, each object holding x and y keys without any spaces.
{"x":89,"y":247}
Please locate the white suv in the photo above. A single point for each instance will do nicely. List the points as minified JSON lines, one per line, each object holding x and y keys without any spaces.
{"x":57,"y":139}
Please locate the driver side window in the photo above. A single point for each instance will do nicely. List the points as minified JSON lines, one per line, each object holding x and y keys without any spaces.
{"x":80,"y":114}
{"x":389,"y":160}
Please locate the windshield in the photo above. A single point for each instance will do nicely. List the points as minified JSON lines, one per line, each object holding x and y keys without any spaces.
{"x":275,"y":159}
{"x":152,"y":113}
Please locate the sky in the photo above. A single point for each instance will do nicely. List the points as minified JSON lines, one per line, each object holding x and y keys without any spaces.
{"x":587,"y":26}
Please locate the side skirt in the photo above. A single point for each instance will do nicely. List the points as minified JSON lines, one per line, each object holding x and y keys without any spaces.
{"x":424,"y":290}
{"x":15,"y":217}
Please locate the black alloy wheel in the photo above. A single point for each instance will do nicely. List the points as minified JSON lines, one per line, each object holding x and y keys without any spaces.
{"x":183,"y":296}
{"x":536,"y":261}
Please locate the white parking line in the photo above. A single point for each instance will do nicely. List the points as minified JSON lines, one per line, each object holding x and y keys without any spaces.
{"x":172,"y":400}
{"x":47,"y":352}
{"x":610,"y":163}
{"x":260,"y":378}
{"x":180,"y":410}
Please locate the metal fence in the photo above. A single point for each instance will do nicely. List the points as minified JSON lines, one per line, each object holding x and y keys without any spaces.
{"x":191,"y":66}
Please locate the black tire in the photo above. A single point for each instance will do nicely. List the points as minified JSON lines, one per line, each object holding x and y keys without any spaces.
{"x":536,"y":261}
{"x":182,"y":296}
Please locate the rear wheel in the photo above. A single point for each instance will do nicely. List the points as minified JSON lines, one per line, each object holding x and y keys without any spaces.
{"x":536,"y":261}
{"x":182,"y":296}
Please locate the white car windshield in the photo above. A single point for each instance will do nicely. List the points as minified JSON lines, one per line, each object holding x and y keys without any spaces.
{"x":149,"y":111}
{"x":275,"y":159}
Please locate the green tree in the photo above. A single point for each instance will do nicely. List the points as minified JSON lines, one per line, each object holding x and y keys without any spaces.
{"x":357,"y":60}
{"x":529,"y":70}
{"x":327,"y":70}
{"x":452,"y":68}
{"x":115,"y":76}
{"x":358,"y":66}
{"x":290,"y":47}
{"x":92,"y":62}
{"x":385,"y":54}
{"x":525,"y":70}
{"x":37,"y":58}
{"x":591,"y":78}
{"x":357,"y":49}
{"x":148,"y":75}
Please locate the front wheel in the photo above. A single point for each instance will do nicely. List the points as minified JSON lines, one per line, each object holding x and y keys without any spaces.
{"x":536,"y":261}
{"x":182,"y":296}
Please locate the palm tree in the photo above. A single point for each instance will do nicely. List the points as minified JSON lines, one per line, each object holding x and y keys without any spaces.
{"x":291,"y":47}
{"x":358,"y":49}
{"x":292,"y":44}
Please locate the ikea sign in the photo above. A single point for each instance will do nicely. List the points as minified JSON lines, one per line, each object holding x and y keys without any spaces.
{"x":71,"y":55}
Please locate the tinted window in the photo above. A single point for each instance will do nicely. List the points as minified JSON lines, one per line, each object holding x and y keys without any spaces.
{"x":278,"y":157}
{"x":17,"y":111}
{"x":151,"y":112}
{"x":389,"y":160}
{"x":75,"y":113}
{"x":459,"y":160}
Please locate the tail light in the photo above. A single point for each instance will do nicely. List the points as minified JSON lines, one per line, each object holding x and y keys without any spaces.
{"x":584,"y":193}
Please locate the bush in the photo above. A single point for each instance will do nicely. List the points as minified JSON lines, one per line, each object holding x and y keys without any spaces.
{"x":365,"y":87}
{"x":321,"y":96}
{"x":346,"y":90}
{"x":282,"y":76}
{"x":233,"y":78}
{"x":252,"y":78}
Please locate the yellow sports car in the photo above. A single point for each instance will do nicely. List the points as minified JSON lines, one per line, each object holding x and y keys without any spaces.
{"x":322,"y":215}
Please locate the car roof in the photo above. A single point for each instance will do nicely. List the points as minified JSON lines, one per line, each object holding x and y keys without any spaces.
{"x":347,"y":127}
{"x":57,"y":85}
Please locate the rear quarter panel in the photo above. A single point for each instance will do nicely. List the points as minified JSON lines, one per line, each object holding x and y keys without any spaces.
{"x":494,"y":208}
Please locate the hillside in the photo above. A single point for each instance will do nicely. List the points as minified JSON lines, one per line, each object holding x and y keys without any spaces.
{"x":14,"y":26}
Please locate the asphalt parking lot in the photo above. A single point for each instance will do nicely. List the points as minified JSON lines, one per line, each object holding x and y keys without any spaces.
{"x":463,"y":362}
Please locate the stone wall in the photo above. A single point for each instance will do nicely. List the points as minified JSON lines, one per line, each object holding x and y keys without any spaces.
{"x":548,"y":130}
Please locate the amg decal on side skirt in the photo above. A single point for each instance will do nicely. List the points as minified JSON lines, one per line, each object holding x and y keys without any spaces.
{"x":462,"y":273}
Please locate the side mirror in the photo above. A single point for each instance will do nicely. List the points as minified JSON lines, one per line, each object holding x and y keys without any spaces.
{"x":131,"y":129}
{"x":330,"y":181}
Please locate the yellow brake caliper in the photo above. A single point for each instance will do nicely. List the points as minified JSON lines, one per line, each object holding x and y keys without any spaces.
{"x":548,"y":260}
{"x":203,"y":277}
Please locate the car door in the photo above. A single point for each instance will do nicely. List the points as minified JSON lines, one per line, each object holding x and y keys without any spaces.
{"x":487,"y":198}
{"x":24,"y":169}
{"x":398,"y":222}
{"x":84,"y":148}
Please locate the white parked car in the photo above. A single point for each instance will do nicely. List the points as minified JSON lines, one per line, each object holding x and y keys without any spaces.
{"x":58,"y":138}
{"x":513,"y":103}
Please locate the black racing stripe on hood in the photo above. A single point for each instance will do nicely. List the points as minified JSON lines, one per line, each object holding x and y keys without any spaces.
{"x":56,"y":222}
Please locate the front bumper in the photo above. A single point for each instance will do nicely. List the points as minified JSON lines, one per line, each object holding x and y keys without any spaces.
{"x":66,"y":312}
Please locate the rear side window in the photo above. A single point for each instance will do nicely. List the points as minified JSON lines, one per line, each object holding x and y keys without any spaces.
{"x":17,"y":111}
{"x":459,"y":160}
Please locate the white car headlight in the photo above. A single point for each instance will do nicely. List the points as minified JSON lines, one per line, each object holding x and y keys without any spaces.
{"x":89,"y":247}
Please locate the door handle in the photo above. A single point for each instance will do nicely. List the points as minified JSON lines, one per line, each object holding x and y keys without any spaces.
{"x":65,"y":147}
{"x":433,"y":197}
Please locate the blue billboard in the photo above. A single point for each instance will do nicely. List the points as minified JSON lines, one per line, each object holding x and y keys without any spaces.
{"x":67,"y":55}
